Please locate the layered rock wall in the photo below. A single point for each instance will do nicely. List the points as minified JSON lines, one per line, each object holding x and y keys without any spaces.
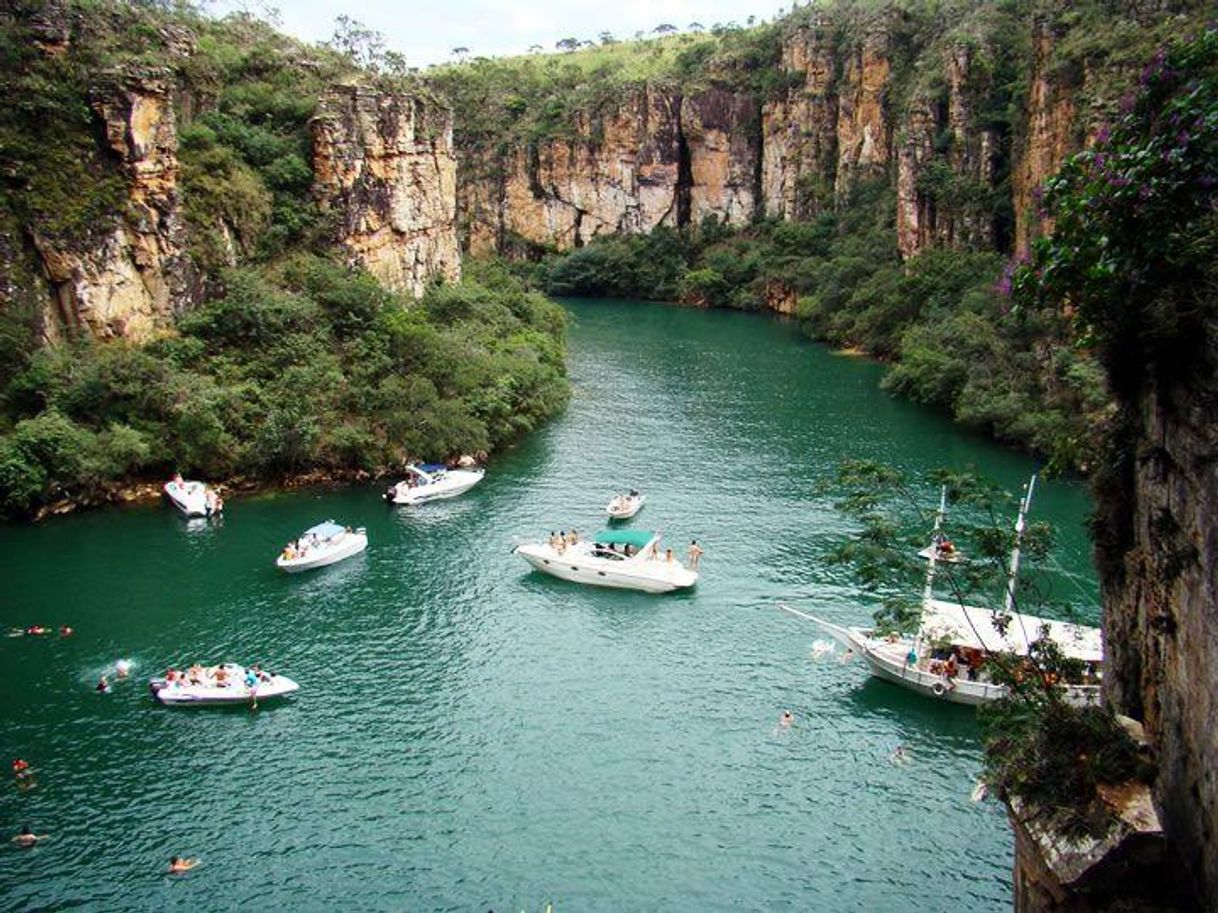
{"x":1159,"y":557}
{"x":134,"y":275}
{"x":384,"y":166}
{"x":655,"y":159}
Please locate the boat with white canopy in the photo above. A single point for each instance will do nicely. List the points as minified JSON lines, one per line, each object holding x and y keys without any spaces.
{"x":320,"y":545}
{"x":432,"y":481}
{"x":227,"y":683}
{"x":951,"y":655}
{"x":193,"y":499}
{"x":625,"y":506}
{"x":630,"y":559}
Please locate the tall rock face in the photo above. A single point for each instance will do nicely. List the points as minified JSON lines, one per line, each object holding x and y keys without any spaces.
{"x":799,"y":129}
{"x":947,"y":164}
{"x":656,"y":158}
{"x":863,"y":122}
{"x":1048,"y":140}
{"x":134,"y":275}
{"x":617,"y":174}
{"x":1159,"y":562}
{"x":384,"y":166}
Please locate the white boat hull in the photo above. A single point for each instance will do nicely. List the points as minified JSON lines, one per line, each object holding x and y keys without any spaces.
{"x":319,"y":556}
{"x":643,"y":574}
{"x":626,"y":509}
{"x":887,"y":659}
{"x":236,"y":692}
{"x":190,"y":498}
{"x":454,"y":482}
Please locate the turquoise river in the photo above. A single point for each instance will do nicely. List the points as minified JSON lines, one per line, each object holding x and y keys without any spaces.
{"x":473,"y":736}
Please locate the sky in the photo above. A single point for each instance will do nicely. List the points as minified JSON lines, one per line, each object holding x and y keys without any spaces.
{"x":426,"y":32}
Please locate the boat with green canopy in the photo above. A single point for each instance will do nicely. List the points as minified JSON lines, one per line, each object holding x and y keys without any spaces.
{"x":630,"y":559}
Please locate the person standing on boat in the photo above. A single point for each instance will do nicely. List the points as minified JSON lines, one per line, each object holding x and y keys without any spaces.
{"x":695,"y":553}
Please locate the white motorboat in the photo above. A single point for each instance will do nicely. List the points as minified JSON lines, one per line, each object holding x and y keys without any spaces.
{"x":623,"y":507}
{"x":432,"y":481}
{"x":193,"y":499}
{"x":951,"y":655}
{"x":320,"y":545}
{"x":628,"y":559}
{"x":228,"y":683}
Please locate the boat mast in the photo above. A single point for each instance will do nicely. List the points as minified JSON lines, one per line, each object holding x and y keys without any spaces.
{"x":934,"y":547}
{"x":1008,"y":605}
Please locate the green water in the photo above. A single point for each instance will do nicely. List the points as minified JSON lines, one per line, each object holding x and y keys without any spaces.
{"x":473,"y":736}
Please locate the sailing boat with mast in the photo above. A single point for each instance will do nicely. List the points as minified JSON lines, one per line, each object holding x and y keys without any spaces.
{"x":953,"y":652}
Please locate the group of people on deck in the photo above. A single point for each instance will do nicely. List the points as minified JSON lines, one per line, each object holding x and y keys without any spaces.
{"x":561,"y":539}
{"x":215,"y":676}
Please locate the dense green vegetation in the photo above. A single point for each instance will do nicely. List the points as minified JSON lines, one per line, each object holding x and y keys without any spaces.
{"x":308,"y":365}
{"x":941,"y":321}
{"x":294,"y":362}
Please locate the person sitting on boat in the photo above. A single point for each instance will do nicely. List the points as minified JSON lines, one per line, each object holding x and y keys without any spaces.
{"x":251,"y":678}
{"x":668,"y":556}
{"x":561,"y":545}
{"x":177,"y":478}
{"x":221,"y":677}
{"x":572,"y":537}
{"x":630,"y":550}
{"x":951,"y":669}
{"x":289,"y":553}
{"x":262,"y":676}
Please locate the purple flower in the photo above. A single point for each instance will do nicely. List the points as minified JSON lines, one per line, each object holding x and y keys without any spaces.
{"x":1144,"y":192}
{"x":1103,"y":136}
{"x":1182,"y":138}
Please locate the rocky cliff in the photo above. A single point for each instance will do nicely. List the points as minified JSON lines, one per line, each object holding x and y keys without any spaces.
{"x":1159,"y":552}
{"x":133,"y":274}
{"x":125,"y":182}
{"x":384,"y":167}
{"x":962,"y":111}
{"x":656,"y":158}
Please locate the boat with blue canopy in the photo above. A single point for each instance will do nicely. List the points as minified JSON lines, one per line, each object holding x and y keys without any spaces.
{"x":320,"y":545}
{"x":630,"y":559}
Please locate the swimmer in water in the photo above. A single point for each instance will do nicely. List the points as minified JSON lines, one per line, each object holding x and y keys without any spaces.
{"x":103,"y":685}
{"x":786,"y":719}
{"x":28,"y":837}
{"x":65,"y":631}
{"x":178,"y":865}
{"x":122,"y":668}
{"x":899,"y":755}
